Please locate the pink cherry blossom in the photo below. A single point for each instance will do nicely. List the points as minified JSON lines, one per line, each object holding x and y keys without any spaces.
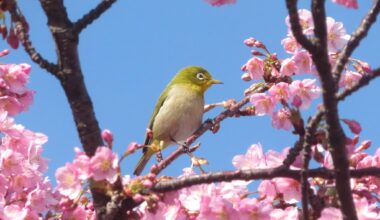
{"x":303,"y":62}
{"x":366,"y":210}
{"x":68,"y":181}
{"x":82,"y":164}
{"x":15,"y":212}
{"x":249,"y":208}
{"x":347,"y":3}
{"x":336,"y":35}
{"x":11,"y":162}
{"x":305,"y":90}
{"x":281,"y":119}
{"x":306,"y":21}
{"x":255,"y":68}
{"x":215,"y":207}
{"x":172,"y":210}
{"x":289,"y":213}
{"x":290,"y":189}
{"x":331,"y":213}
{"x":349,"y":78}
{"x":220,"y":2}
{"x":263,"y":103}
{"x":104,"y":164}
{"x":16,"y":77}
{"x":76,"y":213}
{"x":290,"y":45}
{"x":254,"y":158}
{"x":288,"y":67}
{"x":279,"y":91}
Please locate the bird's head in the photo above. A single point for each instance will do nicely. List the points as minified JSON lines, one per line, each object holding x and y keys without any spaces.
{"x":196,"y":77}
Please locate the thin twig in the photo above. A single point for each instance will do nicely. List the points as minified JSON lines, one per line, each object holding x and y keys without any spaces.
{"x":23,"y":36}
{"x":359,"y":34}
{"x":255,"y":174}
{"x":336,"y":136}
{"x":92,"y":15}
{"x":365,"y":80}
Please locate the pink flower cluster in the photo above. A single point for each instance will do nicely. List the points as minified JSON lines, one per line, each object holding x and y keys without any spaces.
{"x":336,"y":34}
{"x":24,"y":191}
{"x":73,"y":177}
{"x":298,"y":93}
{"x":15,"y":96}
{"x":228,"y":200}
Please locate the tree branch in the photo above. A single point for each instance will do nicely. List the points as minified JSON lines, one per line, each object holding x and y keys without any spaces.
{"x":92,"y":15}
{"x":23,"y":36}
{"x":365,"y":80}
{"x":72,"y":80}
{"x":336,"y":135}
{"x":255,"y":174}
{"x":360,"y":33}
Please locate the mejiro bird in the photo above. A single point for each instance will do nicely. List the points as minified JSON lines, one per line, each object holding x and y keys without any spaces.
{"x":178,"y":112}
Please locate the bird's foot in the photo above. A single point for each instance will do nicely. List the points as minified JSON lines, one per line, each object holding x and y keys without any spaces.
{"x":159,"y":157}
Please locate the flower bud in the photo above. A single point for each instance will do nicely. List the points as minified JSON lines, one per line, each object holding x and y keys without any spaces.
{"x":107,"y":136}
{"x":246,"y":77}
{"x":250,"y":42}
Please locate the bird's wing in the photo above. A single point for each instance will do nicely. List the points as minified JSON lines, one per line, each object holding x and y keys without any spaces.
{"x":159,"y":104}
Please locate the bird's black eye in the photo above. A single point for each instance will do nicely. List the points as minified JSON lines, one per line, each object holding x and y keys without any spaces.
{"x":200,"y":76}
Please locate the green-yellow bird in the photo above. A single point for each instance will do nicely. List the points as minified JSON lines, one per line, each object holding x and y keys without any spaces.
{"x":178,"y":111}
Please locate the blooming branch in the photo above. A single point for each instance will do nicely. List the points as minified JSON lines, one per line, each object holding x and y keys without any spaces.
{"x":255,"y":174}
{"x":360,"y":33}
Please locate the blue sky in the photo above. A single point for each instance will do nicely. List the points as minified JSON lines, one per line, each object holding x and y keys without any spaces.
{"x":130,"y":54}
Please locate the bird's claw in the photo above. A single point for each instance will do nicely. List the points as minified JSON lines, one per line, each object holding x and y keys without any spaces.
{"x":159,"y":156}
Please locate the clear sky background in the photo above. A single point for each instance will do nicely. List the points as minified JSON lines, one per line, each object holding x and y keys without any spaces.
{"x":131,"y":53}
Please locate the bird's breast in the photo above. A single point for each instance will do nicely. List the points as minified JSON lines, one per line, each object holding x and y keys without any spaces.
{"x":180,"y":115}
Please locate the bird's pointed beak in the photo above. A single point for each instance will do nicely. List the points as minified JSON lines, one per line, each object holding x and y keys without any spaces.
{"x":215,"y":81}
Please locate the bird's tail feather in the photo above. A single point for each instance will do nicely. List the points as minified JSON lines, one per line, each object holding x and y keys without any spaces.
{"x":142,"y":163}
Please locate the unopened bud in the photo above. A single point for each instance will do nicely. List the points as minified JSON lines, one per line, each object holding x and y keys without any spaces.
{"x":250,"y":42}
{"x":4,"y":52}
{"x":366,"y":67}
{"x":273,"y":56}
{"x":107,"y":136}
{"x":297,"y":101}
{"x":132,"y":147}
{"x":138,"y":198}
{"x":246,"y":77}
{"x":364,"y":146}
{"x":353,"y":125}
{"x":256,"y":53}
{"x":244,"y":68}
{"x":147,"y":183}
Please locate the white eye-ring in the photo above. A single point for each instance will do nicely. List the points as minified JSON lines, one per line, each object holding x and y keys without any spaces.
{"x":200,"y":76}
